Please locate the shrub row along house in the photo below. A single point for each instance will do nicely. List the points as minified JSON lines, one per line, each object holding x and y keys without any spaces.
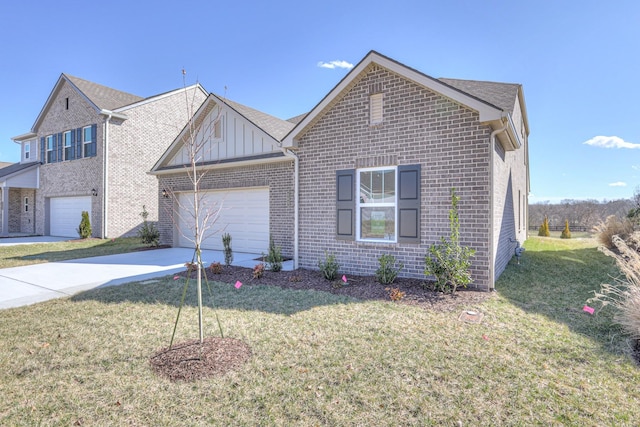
{"x":368,"y":171}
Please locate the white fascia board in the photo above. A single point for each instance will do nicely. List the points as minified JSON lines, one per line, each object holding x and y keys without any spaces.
{"x":113,"y":114}
{"x":487,"y":112}
{"x":222,"y":165}
{"x":159,"y":97}
{"x":24,"y":137}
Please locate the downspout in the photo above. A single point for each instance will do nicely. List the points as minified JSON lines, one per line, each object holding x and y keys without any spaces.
{"x":296,"y":201}
{"x":105,"y":172}
{"x":492,"y":143}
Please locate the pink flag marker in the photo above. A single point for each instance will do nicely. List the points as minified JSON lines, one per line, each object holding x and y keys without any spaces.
{"x":238,"y":284}
{"x":588,"y":309}
{"x":176,"y":277}
{"x":344,"y":278}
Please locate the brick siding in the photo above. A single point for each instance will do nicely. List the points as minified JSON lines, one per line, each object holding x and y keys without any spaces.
{"x":419,"y":127}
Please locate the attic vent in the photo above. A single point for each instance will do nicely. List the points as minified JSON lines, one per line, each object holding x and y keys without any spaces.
{"x":375,"y":109}
{"x":66,"y":103}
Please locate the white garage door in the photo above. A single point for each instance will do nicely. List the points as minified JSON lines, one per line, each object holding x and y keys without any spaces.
{"x":65,"y":214}
{"x":244,"y":214}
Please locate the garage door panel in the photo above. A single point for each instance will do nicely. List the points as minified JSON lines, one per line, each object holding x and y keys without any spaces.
{"x":65,"y":214}
{"x":243,"y":213}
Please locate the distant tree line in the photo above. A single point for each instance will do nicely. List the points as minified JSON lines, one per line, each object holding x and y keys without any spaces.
{"x":583,"y":213}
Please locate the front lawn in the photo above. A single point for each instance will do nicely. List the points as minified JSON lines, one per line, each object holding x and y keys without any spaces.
{"x":325,"y":359}
{"x":17,"y":255}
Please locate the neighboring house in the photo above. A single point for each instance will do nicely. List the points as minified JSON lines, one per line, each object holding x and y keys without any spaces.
{"x":90,"y":149}
{"x":368,"y":171}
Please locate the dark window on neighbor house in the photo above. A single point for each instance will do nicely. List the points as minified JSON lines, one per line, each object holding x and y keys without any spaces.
{"x":387,"y":208}
{"x":26,"y":204}
{"x":51,"y":154}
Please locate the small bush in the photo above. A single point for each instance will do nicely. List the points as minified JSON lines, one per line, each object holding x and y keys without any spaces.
{"x":544,"y":228}
{"x":448,"y":261}
{"x":566,"y":233}
{"x":228,"y":252}
{"x":216,"y":268}
{"x":613,"y":226}
{"x":258,"y":271}
{"x":148,"y":233}
{"x":395,"y":294}
{"x":388,"y":269}
{"x":329,"y":267}
{"x":274,"y":257}
{"x":191,"y":266}
{"x":84,"y":229}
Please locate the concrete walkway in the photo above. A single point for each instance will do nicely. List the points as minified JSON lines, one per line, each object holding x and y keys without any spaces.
{"x":41,"y":282}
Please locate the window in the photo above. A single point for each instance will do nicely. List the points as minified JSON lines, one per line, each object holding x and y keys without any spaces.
{"x":26,"y":204}
{"x":375,"y":109}
{"x":387,"y":207}
{"x":68,"y":147}
{"x":51,"y":154}
{"x":27,"y":150}
{"x":217,"y":128}
{"x":376,"y":206}
{"x":88,"y":141}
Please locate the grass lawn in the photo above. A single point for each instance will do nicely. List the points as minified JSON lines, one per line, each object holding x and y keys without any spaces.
{"x":15,"y":256}
{"x":323,"y":359}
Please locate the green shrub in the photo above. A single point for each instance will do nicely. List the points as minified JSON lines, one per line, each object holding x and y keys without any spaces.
{"x":566,"y":233}
{"x":448,"y":261}
{"x":544,"y":228}
{"x":388,"y":269}
{"x":329,"y":267}
{"x":274,"y":257}
{"x":228,"y":252}
{"x":84,"y":229}
{"x":148,"y":233}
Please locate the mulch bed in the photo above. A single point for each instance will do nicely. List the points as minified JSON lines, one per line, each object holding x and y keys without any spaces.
{"x":190,"y":361}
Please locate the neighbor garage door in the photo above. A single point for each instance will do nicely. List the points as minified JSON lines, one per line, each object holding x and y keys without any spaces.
{"x":244,"y":214}
{"x":65,"y":214}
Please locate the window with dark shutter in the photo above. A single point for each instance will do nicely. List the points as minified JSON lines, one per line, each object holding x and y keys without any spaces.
{"x":60,"y":146}
{"x":79,"y":143}
{"x":42,"y":150}
{"x":409,"y":204}
{"x":345,"y":204}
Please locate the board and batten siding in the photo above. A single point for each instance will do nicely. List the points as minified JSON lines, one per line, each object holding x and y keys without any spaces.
{"x":238,"y":138}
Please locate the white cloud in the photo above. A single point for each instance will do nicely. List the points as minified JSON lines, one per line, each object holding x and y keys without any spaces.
{"x":618,"y":184}
{"x":636,"y":167}
{"x":335,"y":64}
{"x":610,"y":142}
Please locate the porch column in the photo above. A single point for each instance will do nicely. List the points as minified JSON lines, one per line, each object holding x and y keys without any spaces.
{"x":5,"y":211}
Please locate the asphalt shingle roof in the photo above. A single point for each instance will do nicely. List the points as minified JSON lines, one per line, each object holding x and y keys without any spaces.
{"x":15,"y":167}
{"x":274,"y":126}
{"x":102,"y":96}
{"x":502,"y":95}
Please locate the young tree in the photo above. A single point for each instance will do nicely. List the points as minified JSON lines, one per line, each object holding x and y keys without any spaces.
{"x":566,"y":233}
{"x":201,"y":217}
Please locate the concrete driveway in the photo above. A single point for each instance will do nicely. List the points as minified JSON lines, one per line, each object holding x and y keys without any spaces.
{"x":40,"y":282}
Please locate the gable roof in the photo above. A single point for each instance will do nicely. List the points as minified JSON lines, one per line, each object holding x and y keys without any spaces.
{"x":486,"y":102}
{"x":274,"y":126}
{"x":98,"y":96}
{"x":502,"y":95}
{"x":103,"y":97}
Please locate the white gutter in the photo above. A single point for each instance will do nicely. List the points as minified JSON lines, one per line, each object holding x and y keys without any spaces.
{"x":296,"y":202}
{"x":492,"y":144}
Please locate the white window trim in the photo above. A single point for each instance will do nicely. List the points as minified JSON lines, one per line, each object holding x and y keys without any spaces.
{"x":85,"y":142}
{"x":360,"y":205}
{"x":27,"y":150}
{"x":48,"y":150}
{"x":26,"y":204}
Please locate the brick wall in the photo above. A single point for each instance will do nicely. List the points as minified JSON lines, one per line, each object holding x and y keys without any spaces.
{"x":74,"y":177}
{"x":278,"y":177}
{"x":419,"y":127}
{"x":27,"y":218}
{"x":135,"y":145}
{"x":14,"y":210}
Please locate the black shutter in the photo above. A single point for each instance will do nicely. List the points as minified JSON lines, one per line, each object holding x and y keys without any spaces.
{"x":94,"y":134}
{"x":78,"y":143}
{"x":72,"y":149}
{"x":43,"y":159}
{"x":54,"y":151}
{"x":409,"y":204}
{"x":60,"y":147}
{"x":346,"y":204}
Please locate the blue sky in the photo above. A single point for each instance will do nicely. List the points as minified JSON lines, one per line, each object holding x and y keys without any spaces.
{"x":579,"y":63}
